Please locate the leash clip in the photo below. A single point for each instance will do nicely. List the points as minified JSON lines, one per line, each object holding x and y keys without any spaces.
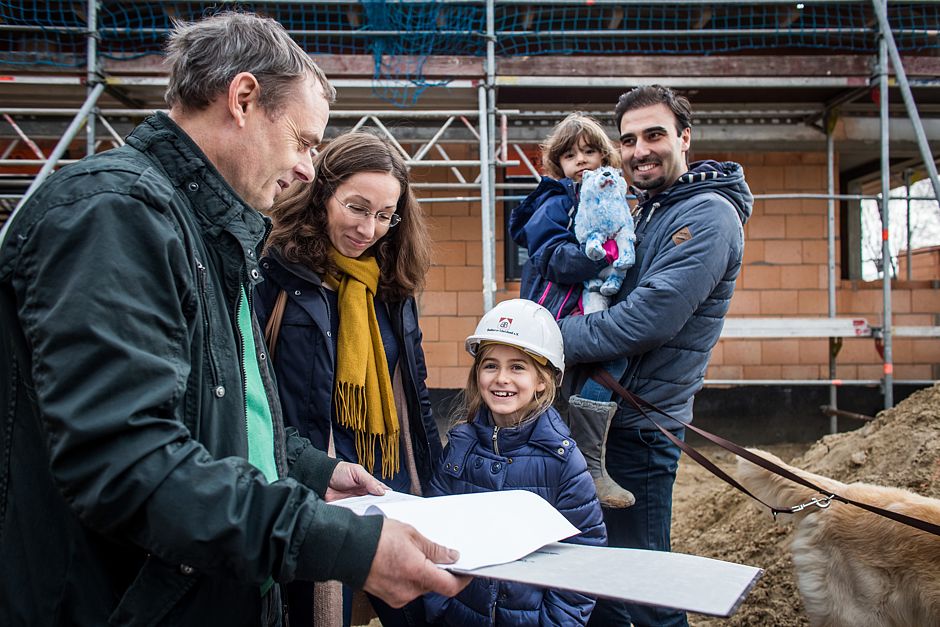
{"x":821,"y":503}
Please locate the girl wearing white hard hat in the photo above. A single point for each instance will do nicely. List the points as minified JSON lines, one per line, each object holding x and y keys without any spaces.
{"x":508,"y":436}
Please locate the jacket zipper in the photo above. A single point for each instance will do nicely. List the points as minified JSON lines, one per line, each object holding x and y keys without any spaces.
{"x":495,"y":440}
{"x":241,"y":348}
{"x":202,"y":275}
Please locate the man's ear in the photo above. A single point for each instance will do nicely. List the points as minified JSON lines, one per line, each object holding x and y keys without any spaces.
{"x":686,"y":138}
{"x":243,"y":94}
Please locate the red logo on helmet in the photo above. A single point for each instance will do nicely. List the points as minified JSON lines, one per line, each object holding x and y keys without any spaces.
{"x":504,"y":323}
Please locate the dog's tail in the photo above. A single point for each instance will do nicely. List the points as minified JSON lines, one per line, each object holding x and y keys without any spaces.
{"x":777,"y":491}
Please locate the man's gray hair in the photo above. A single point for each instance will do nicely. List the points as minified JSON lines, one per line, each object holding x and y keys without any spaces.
{"x":205,"y":56}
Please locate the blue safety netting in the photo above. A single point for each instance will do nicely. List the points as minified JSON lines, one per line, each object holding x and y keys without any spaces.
{"x":400,"y":36}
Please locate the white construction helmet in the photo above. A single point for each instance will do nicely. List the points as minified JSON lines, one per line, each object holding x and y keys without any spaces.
{"x":527,"y":326}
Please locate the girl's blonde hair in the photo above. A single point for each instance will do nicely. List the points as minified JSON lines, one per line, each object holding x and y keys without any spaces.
{"x":567,"y":133}
{"x":469,"y":401}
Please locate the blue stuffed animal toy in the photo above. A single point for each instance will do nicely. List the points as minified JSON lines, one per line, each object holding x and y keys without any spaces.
{"x":603,"y":223}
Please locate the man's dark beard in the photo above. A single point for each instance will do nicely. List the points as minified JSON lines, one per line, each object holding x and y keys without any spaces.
{"x":656,"y":183}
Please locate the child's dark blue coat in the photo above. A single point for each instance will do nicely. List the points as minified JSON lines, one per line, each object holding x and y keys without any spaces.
{"x":557,"y":266}
{"x":539,"y":456}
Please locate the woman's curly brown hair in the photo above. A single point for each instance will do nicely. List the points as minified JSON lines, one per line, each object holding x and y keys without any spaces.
{"x":300,"y":217}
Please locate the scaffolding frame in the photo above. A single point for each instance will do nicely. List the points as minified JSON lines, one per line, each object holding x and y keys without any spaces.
{"x":494,"y":147}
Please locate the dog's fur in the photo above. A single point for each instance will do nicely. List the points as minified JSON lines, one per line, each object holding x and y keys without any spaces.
{"x":855,"y":568}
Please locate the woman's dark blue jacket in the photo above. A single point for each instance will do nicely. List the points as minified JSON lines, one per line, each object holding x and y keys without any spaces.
{"x":305,"y":361}
{"x":539,"y":456}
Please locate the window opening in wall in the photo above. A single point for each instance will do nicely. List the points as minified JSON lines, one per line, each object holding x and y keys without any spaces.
{"x":920,"y":234}
{"x":515,"y":255}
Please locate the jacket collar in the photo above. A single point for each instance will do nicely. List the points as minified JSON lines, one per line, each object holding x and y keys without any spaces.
{"x":190,"y":171}
{"x":546,"y":431}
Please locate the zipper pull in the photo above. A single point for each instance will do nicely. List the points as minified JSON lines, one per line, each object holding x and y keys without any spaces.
{"x":495,"y":441}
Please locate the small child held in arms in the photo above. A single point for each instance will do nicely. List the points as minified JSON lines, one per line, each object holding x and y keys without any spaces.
{"x":557,"y":267}
{"x":508,"y":436}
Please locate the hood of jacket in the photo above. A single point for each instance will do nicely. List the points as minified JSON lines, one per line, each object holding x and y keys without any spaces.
{"x":725,"y":178}
{"x":547,"y":188}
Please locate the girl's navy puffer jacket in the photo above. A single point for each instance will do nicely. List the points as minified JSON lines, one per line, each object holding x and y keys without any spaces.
{"x":539,"y":456}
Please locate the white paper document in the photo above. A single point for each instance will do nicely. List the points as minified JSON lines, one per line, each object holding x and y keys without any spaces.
{"x":513,"y":536}
{"x":676,"y":580}
{"x":487,"y":528}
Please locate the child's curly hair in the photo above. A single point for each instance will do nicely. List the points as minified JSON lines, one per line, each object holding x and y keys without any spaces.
{"x":574,"y":128}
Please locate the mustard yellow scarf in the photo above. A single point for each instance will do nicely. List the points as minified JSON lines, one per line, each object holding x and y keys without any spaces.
{"x":364,"y":399}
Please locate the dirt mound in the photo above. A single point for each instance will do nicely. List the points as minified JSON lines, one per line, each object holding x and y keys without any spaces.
{"x":900,"y":448}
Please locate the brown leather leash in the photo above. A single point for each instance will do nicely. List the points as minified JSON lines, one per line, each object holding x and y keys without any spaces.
{"x":605,"y":378}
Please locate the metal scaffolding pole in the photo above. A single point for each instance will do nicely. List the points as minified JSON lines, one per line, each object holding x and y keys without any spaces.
{"x":881,"y":10}
{"x":834,"y":343}
{"x":487,"y":162}
{"x":888,"y":380}
{"x":57,"y":153}
{"x":487,"y":215}
{"x":92,"y":78}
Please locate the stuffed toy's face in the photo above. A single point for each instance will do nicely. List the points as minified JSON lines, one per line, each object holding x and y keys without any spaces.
{"x":604,"y":182}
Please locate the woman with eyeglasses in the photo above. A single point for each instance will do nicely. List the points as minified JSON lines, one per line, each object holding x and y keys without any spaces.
{"x":345,"y":257}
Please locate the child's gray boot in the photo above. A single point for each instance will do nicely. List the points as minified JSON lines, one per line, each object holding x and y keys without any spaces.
{"x":589,"y":422}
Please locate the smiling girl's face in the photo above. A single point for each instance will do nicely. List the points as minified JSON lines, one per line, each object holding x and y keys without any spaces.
{"x":508,"y":381}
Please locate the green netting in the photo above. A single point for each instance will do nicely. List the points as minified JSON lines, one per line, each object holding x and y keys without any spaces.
{"x":400,"y":36}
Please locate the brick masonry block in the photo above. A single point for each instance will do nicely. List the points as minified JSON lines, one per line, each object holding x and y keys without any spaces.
{"x":810,"y":179}
{"x":450,"y":253}
{"x":458,"y":209}
{"x":815,"y":251}
{"x":742,"y":352}
{"x":463,"y":278}
{"x":745,"y":303}
{"x":915,"y":320}
{"x":803,"y":276}
{"x":812,"y":302}
{"x":457,"y":328}
{"x":440,"y":354}
{"x":815,"y":206}
{"x":763,"y":372}
{"x":784,"y":352}
{"x":758,"y":276}
{"x":434,"y":279}
{"x":753,"y":252}
{"x":762,"y":179}
{"x":847,"y":371}
{"x":777,"y":302}
{"x":926,"y":351}
{"x":805,"y":227}
{"x":718,"y":352}
{"x":766,"y":227}
{"x":724,"y":372}
{"x":781,"y":206}
{"x":453,"y":378}
{"x":433,"y":303}
{"x":474,"y":253}
{"x":466,"y":229}
{"x":925,"y":301}
{"x":470,"y":304}
{"x":439,"y":228}
{"x":814,"y":351}
{"x":808,"y":372}
{"x":783,"y":252}
{"x":430,"y":328}
{"x":914,"y":371}
{"x":433,"y":378}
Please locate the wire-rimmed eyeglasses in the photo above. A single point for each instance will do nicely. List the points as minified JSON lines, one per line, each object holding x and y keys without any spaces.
{"x":382,"y":218}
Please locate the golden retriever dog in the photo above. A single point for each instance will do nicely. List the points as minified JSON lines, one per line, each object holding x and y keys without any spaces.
{"x":855,"y":568}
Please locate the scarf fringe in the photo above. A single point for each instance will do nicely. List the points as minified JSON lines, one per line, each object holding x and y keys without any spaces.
{"x":351,"y":413}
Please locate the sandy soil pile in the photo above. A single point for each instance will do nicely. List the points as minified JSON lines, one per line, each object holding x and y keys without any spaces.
{"x":900,"y":448}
